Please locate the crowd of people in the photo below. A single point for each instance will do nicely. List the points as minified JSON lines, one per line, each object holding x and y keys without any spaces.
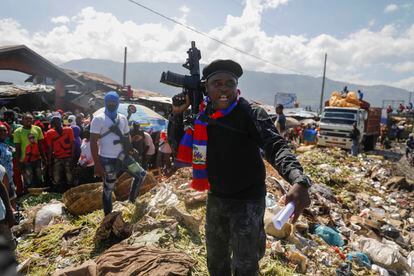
{"x":51,"y":150}
{"x":48,"y":148}
{"x":401,"y":108}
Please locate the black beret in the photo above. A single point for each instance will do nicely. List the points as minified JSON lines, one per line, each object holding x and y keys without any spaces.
{"x":222,"y":65}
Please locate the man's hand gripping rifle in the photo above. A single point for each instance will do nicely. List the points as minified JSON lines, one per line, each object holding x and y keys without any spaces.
{"x":192,"y":94}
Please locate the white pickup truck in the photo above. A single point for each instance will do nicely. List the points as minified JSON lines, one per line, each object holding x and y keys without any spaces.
{"x":336,"y":125}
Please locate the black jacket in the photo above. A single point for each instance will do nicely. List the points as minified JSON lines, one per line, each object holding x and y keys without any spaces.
{"x":234,"y":160}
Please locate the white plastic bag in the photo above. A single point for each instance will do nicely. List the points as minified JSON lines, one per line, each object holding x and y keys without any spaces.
{"x":46,"y":214}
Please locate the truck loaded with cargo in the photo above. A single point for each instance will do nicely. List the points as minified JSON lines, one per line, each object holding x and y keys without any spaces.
{"x":338,"y":117}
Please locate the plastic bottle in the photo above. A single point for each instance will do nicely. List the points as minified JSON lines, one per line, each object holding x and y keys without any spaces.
{"x":270,"y":201}
{"x":283,"y":215}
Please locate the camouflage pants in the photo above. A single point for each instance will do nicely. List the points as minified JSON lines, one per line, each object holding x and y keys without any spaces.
{"x":63,"y":165}
{"x":235,"y":237}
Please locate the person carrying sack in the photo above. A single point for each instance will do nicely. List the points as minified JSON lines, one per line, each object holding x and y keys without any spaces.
{"x":111,"y":153}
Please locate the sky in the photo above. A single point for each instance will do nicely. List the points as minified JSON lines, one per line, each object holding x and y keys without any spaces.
{"x":367,"y":42}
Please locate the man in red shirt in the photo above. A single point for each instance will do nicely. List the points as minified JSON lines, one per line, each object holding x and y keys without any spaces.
{"x":61,"y":147}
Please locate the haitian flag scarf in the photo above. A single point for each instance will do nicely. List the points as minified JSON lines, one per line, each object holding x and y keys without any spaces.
{"x":193,"y":146}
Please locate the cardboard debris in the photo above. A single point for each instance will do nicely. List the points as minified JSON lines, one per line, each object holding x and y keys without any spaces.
{"x":113,"y":224}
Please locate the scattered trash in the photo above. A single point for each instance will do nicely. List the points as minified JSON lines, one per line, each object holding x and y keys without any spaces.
{"x":152,"y":238}
{"x":185,"y":218}
{"x":410,"y":260}
{"x":270,"y":201}
{"x":298,"y":258}
{"x":382,"y":271}
{"x":88,"y":268}
{"x":352,"y":199}
{"x":383,"y":255}
{"x":345,"y":269}
{"x":164,"y":197}
{"x":113,"y":224}
{"x":270,"y":228}
{"x":390,"y":231}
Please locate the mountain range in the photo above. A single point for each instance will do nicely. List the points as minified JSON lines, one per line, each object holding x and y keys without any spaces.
{"x":258,"y":86}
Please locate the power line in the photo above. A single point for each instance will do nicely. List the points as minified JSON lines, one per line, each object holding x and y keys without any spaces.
{"x":216,"y":40}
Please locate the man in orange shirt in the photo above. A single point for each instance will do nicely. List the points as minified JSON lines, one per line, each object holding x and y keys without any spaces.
{"x":61,"y":147}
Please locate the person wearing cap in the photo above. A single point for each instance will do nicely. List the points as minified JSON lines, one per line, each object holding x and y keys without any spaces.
{"x":111,"y":130}
{"x":280,"y":120}
{"x":61,"y":148}
{"x":29,"y":151}
{"x":224,"y":150}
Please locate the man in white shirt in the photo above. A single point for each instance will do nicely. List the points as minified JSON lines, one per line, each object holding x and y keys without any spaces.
{"x":112,"y":130}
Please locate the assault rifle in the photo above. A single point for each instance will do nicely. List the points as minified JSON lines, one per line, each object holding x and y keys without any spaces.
{"x":192,"y":86}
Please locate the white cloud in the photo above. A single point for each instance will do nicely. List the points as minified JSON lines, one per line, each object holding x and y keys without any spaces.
{"x":274,"y":3}
{"x":184,"y":9}
{"x":94,"y":34}
{"x":60,"y":20}
{"x":391,"y":8}
{"x":403,"y":67}
{"x":11,"y":32}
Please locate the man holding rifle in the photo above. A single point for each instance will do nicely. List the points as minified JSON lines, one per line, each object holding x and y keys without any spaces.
{"x":223,"y":148}
{"x":111,"y":147}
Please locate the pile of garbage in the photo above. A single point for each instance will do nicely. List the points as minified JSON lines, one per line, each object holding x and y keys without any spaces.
{"x":360,"y":223}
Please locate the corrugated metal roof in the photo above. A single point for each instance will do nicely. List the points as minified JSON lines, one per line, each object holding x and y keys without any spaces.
{"x":44,"y":66}
{"x":92,"y":76}
{"x":7,"y":91}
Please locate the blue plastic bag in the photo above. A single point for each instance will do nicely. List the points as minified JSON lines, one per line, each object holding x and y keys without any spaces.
{"x":329,"y":235}
{"x":361,"y":258}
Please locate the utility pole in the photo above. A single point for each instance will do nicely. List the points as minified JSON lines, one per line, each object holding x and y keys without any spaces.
{"x":125,"y":65}
{"x":323,"y":85}
{"x":409,"y":99}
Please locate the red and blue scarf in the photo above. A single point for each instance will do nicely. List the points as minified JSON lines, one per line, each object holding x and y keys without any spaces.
{"x":193,"y":146}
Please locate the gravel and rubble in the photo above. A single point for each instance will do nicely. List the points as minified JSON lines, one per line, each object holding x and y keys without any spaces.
{"x":361,"y":220}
